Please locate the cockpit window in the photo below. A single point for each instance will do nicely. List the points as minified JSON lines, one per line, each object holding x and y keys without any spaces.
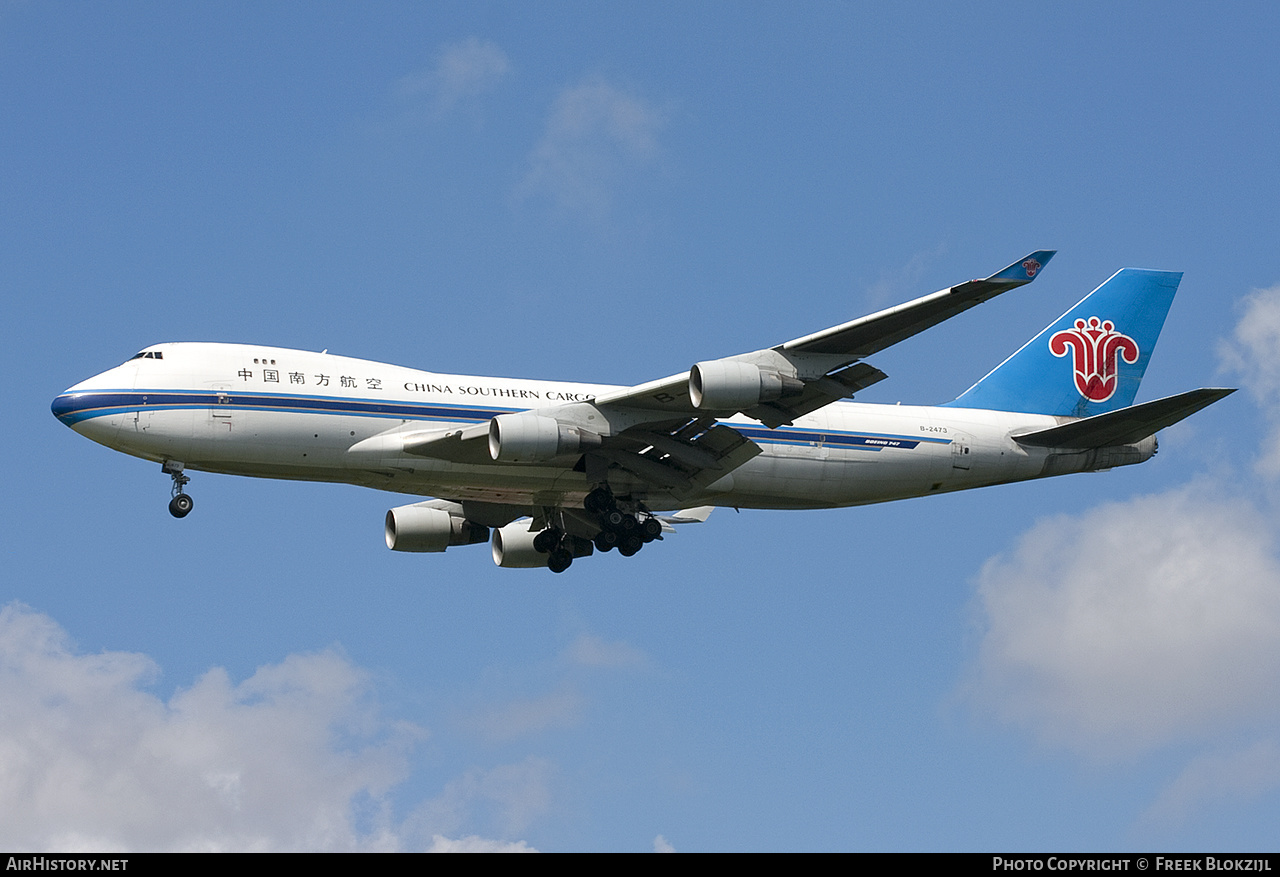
{"x":148,"y":354}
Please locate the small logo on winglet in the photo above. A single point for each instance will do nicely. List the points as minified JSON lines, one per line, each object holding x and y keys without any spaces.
{"x":1031,"y":266}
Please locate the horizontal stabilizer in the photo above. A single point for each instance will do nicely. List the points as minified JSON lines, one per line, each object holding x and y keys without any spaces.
{"x":1126,"y":426}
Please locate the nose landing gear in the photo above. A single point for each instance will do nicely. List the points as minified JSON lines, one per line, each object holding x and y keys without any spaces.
{"x":181,"y":504}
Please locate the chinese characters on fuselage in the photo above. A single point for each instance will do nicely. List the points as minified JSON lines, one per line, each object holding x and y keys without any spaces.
{"x":350,"y":382}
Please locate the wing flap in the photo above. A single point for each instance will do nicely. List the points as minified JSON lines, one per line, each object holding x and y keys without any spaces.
{"x":697,"y":515}
{"x":693,"y":456}
{"x":818,"y":394}
{"x":1126,"y":426}
{"x":455,"y":446}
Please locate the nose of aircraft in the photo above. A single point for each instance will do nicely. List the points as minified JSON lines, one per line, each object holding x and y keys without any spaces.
{"x":64,"y":408}
{"x":92,"y":407}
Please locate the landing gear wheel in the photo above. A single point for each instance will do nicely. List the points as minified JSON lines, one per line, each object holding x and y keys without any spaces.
{"x":180,"y":505}
{"x":546,"y":541}
{"x":650,"y":529}
{"x":606,"y":540}
{"x":559,"y":560}
{"x":630,"y":545}
{"x":598,"y":501}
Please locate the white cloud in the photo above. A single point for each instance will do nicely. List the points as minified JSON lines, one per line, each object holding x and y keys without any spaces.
{"x":592,"y":651}
{"x":1214,"y":779}
{"x":561,"y":708}
{"x":463,"y":70}
{"x":296,"y":757}
{"x":595,"y":134}
{"x":1133,"y":625}
{"x":508,"y":797}
{"x":473,"y":844}
{"x":1152,"y":621}
{"x":1257,"y":341}
{"x":1255,"y":353}
{"x":662,"y":845}
{"x":902,"y":284}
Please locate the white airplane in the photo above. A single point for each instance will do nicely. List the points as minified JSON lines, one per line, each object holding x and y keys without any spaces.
{"x":559,"y":469}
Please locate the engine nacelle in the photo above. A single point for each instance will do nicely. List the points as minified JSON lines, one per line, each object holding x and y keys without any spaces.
{"x":513,"y":547}
{"x":534,"y":438}
{"x":415,"y":528}
{"x":732,"y":385}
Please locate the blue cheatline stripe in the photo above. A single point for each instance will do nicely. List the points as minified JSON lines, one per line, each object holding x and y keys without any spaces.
{"x":73,"y":408}
{"x":864,"y":441}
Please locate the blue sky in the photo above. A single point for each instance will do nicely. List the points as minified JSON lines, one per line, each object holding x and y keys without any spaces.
{"x":565,"y":191}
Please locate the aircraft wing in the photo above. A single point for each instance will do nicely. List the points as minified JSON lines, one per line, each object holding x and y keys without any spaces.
{"x":778,"y":384}
{"x":679,"y":457}
{"x":866,"y":335}
{"x":666,"y":432}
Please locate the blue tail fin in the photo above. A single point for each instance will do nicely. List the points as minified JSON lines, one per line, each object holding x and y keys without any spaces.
{"x":1091,"y":359}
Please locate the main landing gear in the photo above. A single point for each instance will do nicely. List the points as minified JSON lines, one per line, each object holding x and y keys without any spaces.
{"x":181,"y":504}
{"x":619,"y":529}
{"x":622,"y":530}
{"x":560,"y":547}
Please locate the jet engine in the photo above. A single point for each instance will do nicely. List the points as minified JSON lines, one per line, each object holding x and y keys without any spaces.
{"x":415,"y":528}
{"x":732,"y":385}
{"x":532,"y":438}
{"x":513,"y":547}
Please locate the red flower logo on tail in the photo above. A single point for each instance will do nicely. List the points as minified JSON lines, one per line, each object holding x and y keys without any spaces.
{"x":1098,"y":348}
{"x":1031,"y":266}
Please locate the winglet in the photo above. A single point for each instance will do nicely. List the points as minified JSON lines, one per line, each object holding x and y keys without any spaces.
{"x":1025,"y":269}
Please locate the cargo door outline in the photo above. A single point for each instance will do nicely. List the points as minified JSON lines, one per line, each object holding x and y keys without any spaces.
{"x":220,"y":415}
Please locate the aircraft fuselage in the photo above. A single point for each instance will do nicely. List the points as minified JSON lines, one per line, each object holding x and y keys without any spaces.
{"x":278,"y":413}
